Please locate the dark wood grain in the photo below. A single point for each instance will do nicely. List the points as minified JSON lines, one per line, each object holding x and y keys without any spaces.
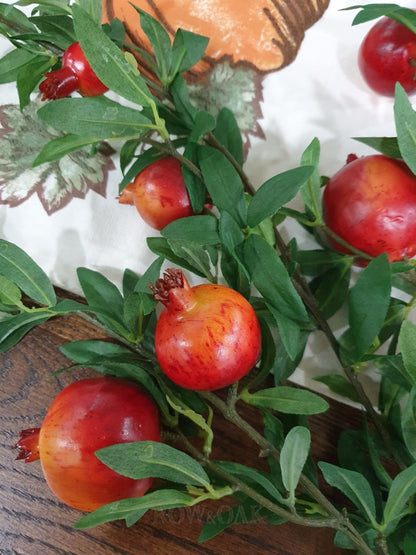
{"x":33,"y":521}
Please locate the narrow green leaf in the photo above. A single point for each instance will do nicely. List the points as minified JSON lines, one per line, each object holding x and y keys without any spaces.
{"x":60,"y":146}
{"x":293,"y":457}
{"x":244,"y":512}
{"x":13,"y":328}
{"x":223,"y":183}
{"x":405,"y":119}
{"x":408,"y":422}
{"x":406,"y":16}
{"x":11,"y":63}
{"x":201,"y":230}
{"x":271,"y":278}
{"x":144,"y":459}
{"x":160,"y":42}
{"x":94,"y":8}
{"x":103,"y":298}
{"x":97,"y":117}
{"x":354,"y":486}
{"x":407,"y":344}
{"x":21,"y":269}
{"x":108,"y":62}
{"x":331,"y":288}
{"x":87,"y":351}
{"x":288,"y":400}
{"x":368,"y":303}
{"x":229,"y":135}
{"x":402,"y":490}
{"x":188,"y":48}
{"x":289,"y":332}
{"x":385,"y":145}
{"x":339,"y":385}
{"x":276,"y":192}
{"x":259,"y":478}
{"x":159,"y":500}
{"x":311,"y":190}
{"x":10,"y":294}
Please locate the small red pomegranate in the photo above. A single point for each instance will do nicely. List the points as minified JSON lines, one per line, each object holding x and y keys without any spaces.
{"x":207,"y":336}
{"x":371,"y":204}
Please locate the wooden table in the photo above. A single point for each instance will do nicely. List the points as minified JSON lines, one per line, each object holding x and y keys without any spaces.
{"x":34,"y":522}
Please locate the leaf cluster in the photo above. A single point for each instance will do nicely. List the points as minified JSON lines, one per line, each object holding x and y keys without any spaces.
{"x":295,"y":293}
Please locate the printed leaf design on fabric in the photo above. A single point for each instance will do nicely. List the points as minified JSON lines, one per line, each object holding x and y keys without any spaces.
{"x":238,"y":88}
{"x":22,"y":135}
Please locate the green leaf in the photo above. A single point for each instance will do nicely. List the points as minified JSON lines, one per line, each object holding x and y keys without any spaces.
{"x":408,"y":422}
{"x":10,"y":294}
{"x":165,"y":249}
{"x":276,"y":192}
{"x":406,"y":16}
{"x":293,"y":457}
{"x":201,"y":230}
{"x":21,"y":269}
{"x":160,"y":42}
{"x":354,"y":486}
{"x":402,"y":490}
{"x":368,"y":303}
{"x":392,"y":367}
{"x":223,"y":183}
{"x":103,"y":298}
{"x":12,"y":62}
{"x":144,"y":459}
{"x":286,"y":399}
{"x":60,"y":146}
{"x":228,"y":133}
{"x":159,"y":500}
{"x":407,"y":344}
{"x":94,"y":8}
{"x":311,"y":190}
{"x":14,"y":328}
{"x":405,"y":119}
{"x":244,"y":512}
{"x":109,"y":63}
{"x":188,"y":48}
{"x":315,"y":262}
{"x":270,"y":277}
{"x":203,"y":123}
{"x":289,"y":332}
{"x":386,"y":145}
{"x":94,"y":351}
{"x":331,"y":287}
{"x":339,"y":385}
{"x":259,"y":478}
{"x":97,"y":117}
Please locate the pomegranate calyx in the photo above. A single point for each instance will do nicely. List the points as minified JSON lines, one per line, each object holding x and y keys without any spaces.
{"x":58,"y":84}
{"x":127,"y":194}
{"x":174,"y":291}
{"x":28,"y":445}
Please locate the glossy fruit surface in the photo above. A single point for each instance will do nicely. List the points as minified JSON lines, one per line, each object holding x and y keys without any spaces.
{"x":388,"y":55}
{"x":371,"y":204}
{"x":207,"y":336}
{"x":76,"y":74}
{"x":85,"y":416}
{"x":159,"y":193}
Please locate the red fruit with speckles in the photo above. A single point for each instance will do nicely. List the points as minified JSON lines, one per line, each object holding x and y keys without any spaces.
{"x":388,"y":55}
{"x":85,"y":416}
{"x":208,"y":336}
{"x":159,"y":193}
{"x":371,"y":204}
{"x":76,"y":74}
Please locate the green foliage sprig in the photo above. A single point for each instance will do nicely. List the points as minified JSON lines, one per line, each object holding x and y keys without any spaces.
{"x":295,"y":292}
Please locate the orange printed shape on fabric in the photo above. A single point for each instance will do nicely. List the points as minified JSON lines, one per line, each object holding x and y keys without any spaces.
{"x":264,"y":34}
